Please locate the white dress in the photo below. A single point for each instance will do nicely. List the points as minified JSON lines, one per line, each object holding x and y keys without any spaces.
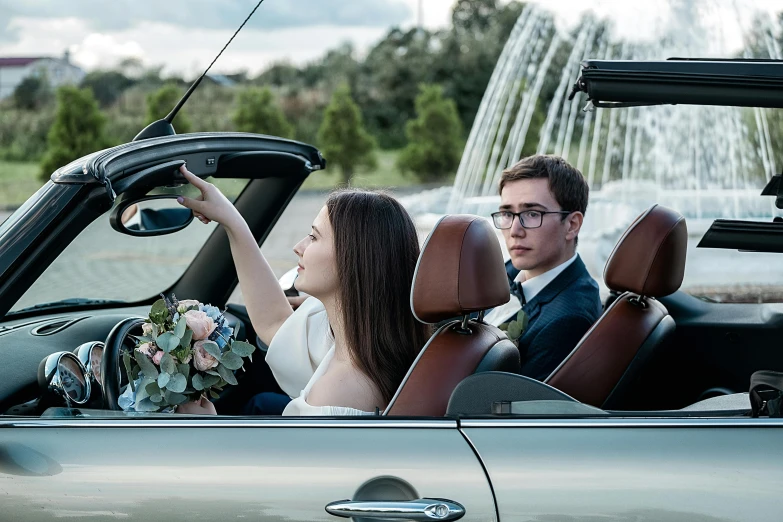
{"x":299,"y":354}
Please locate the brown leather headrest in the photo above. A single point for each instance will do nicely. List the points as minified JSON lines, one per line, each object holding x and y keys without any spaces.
{"x":460,"y":270}
{"x":649,"y":259}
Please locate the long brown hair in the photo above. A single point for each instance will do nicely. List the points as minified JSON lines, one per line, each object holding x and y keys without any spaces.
{"x":376,"y":250}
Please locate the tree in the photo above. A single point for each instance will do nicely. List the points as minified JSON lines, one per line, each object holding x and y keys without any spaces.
{"x":77,"y":129}
{"x":32,"y":93}
{"x":434,"y":137}
{"x":106,"y":85}
{"x":257,"y":112}
{"x":342,"y":136}
{"x":160,"y":103}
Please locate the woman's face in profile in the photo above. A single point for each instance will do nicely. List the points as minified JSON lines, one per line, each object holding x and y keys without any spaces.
{"x":317,"y":266}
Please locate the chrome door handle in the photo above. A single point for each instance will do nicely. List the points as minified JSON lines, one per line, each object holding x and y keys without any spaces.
{"x":423,"y":509}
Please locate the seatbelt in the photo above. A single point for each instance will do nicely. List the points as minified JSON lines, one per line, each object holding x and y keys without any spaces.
{"x":766,"y":393}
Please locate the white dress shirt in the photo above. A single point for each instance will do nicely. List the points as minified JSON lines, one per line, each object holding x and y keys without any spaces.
{"x":530,"y":288}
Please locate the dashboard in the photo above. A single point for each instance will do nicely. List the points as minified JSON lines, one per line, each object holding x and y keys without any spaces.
{"x":27,"y":344}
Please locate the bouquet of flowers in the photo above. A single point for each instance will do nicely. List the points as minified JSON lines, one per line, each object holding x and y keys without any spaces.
{"x":187,"y":350}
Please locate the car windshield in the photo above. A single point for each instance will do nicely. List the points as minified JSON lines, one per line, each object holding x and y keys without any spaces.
{"x":102,"y":264}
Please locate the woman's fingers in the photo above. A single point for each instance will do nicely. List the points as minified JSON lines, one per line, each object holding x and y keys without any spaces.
{"x":193,"y":179}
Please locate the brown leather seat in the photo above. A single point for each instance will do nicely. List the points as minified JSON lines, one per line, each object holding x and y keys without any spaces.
{"x":648,"y":262}
{"x":460,"y":271}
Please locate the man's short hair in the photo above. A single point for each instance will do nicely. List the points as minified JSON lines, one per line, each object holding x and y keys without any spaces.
{"x":566,"y":183}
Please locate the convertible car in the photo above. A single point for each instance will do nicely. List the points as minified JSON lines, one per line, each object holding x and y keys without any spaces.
{"x":648,"y":419}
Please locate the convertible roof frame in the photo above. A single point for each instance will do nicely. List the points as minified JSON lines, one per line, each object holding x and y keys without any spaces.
{"x":624,"y":83}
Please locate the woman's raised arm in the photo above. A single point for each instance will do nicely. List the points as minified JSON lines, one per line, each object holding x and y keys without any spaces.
{"x":266,"y":303}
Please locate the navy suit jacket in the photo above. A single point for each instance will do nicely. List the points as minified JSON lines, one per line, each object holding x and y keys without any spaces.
{"x":558,"y":317}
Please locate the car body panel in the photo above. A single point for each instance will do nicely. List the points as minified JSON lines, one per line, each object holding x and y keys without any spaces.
{"x":645,"y":470}
{"x":227,"y":468}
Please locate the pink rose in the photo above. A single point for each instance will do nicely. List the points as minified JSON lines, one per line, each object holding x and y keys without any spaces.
{"x":201,"y":324}
{"x":146,"y":329}
{"x":157,"y":357}
{"x":147,"y":349}
{"x":185,"y":304}
{"x":202,"y":360}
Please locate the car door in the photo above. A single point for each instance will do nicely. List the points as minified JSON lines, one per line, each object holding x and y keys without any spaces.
{"x":172,"y":468}
{"x":641,"y":470}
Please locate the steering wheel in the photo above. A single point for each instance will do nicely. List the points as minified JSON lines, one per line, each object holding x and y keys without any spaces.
{"x":111,"y":364}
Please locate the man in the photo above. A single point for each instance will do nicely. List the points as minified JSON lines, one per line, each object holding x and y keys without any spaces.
{"x":543,"y":201}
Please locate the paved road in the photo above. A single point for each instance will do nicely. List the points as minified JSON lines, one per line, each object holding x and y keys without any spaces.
{"x":90,"y":265}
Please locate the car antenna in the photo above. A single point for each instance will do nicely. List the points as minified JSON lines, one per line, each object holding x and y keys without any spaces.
{"x":163,"y":127}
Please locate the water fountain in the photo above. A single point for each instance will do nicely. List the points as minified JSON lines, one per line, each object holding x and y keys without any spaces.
{"x":706,"y":162}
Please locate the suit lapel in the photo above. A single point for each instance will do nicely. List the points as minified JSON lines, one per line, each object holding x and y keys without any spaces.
{"x":565,"y":279}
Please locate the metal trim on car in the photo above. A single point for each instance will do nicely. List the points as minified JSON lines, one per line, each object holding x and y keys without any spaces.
{"x":690,"y":422}
{"x":214,"y":422}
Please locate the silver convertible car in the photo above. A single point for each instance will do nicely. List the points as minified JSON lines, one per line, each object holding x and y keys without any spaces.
{"x":650,"y":419}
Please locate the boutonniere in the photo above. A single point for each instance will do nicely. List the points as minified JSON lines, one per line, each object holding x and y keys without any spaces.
{"x":515,"y":327}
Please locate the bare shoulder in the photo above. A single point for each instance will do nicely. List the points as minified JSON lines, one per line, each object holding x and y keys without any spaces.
{"x":346,"y":386}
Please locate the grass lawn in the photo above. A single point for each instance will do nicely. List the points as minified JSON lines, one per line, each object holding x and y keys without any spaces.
{"x":18,"y":181}
{"x":385,"y":175}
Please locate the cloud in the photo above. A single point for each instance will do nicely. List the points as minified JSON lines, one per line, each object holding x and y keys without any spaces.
{"x":116,"y":15}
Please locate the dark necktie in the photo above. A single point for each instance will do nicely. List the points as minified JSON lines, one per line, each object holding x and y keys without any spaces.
{"x":516,"y":289}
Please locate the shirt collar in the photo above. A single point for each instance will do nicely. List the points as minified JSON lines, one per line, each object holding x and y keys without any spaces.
{"x":533,"y":286}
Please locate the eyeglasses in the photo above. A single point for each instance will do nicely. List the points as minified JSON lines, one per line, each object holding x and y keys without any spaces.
{"x":527,"y":218}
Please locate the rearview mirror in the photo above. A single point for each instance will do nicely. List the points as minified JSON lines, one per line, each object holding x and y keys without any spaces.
{"x":150,"y":216}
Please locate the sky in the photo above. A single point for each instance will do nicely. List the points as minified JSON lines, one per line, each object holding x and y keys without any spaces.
{"x":184,"y":35}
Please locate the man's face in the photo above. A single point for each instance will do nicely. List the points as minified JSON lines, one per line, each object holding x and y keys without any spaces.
{"x":537,"y":250}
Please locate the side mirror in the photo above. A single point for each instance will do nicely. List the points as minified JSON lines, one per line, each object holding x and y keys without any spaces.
{"x":150,"y":216}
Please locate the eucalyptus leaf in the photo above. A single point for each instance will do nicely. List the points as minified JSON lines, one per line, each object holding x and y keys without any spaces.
{"x":227,"y":375}
{"x":231,"y":361}
{"x":187,"y":337}
{"x":174,"y":398}
{"x":155,"y":331}
{"x":198,"y":382}
{"x":167,"y":364}
{"x":213,"y":349}
{"x":163,"y":380}
{"x":210,"y":380}
{"x":126,"y":361}
{"x":177,"y":384}
{"x":146,"y":405}
{"x":179,"y":330}
{"x":184,"y":369}
{"x":213,"y":394}
{"x":141,"y":391}
{"x":242,"y":348}
{"x":167,"y":341}
{"x":146,"y":365}
{"x":212,"y":372}
{"x":159,"y":313}
{"x":157,"y":398}
{"x":153,"y":388}
{"x":144,"y":339}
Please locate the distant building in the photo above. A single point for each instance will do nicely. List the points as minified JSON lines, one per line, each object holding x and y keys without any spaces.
{"x":222,"y":80}
{"x":58,"y":71}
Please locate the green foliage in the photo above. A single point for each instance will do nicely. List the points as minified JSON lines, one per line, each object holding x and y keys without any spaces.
{"x":434,"y":137}
{"x":77,"y":129}
{"x":107,"y":86}
{"x":32,"y":93}
{"x":160,"y":103}
{"x":257,"y":112}
{"x":342,"y":136}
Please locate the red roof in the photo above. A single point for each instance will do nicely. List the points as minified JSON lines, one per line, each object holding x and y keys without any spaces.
{"x":18,"y":62}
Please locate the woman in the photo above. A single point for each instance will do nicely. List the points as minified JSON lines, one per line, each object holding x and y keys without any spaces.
{"x":346,"y":350}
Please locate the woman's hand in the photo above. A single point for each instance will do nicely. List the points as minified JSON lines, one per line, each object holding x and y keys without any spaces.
{"x":203,"y":406}
{"x":211,"y":205}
